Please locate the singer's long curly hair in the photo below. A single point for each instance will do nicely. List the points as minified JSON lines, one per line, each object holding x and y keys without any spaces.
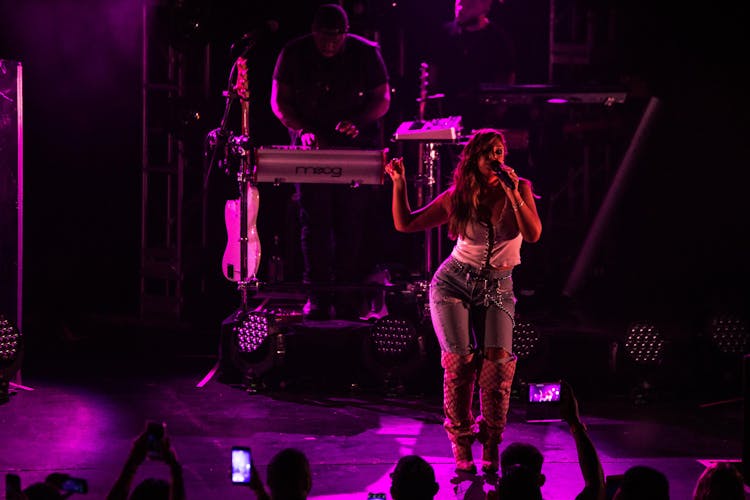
{"x":469,"y":184}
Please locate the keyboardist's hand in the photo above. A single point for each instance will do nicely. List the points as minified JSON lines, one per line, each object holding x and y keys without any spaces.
{"x":308,"y":139}
{"x":347,"y":128}
{"x":395,"y":169}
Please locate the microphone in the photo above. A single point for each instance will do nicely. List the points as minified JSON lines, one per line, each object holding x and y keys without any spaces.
{"x":248,"y":40}
{"x":496,"y":167}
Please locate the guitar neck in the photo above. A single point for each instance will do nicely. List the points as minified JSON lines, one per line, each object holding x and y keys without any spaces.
{"x":245,"y":118}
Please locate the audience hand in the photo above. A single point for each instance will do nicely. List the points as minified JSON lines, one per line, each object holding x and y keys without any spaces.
{"x":568,"y":405}
{"x":256,"y":483}
{"x":169,"y":456}
{"x":139,"y":449}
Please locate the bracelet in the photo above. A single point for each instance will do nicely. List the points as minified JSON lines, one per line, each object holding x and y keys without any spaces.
{"x":517,"y":207}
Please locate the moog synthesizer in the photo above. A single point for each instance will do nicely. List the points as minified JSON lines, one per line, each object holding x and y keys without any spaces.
{"x":297,"y":164}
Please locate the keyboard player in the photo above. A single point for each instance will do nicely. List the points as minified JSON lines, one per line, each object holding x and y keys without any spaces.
{"x":330,"y":89}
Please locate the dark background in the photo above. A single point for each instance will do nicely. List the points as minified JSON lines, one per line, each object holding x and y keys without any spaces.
{"x":675,"y":246}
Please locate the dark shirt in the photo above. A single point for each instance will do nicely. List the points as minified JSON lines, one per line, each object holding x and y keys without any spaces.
{"x":328,"y":90}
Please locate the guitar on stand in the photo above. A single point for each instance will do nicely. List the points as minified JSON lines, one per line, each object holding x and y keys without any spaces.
{"x":242,"y":254}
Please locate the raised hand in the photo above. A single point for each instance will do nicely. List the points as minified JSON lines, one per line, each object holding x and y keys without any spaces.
{"x":568,"y":405}
{"x":139,"y":449}
{"x":395,"y":169}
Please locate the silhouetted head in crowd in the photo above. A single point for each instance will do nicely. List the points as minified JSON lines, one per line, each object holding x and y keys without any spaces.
{"x":643,"y":483}
{"x":524,"y":454}
{"x":413,"y":479}
{"x":151,"y":489}
{"x":520,"y":482}
{"x":42,"y":491}
{"x":721,"y":481}
{"x":521,"y":467}
{"x":289,"y":476}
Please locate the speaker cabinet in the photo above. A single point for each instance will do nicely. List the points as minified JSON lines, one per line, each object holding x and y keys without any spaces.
{"x":11,"y":191}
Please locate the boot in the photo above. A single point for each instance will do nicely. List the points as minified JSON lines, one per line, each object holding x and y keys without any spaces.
{"x":458,"y":391}
{"x":495,"y":380}
{"x":319,"y":307}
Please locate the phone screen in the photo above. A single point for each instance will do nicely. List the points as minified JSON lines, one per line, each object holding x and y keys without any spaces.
{"x":75,"y":485}
{"x":545,"y":392}
{"x":612,"y":484}
{"x":241,"y":465}
{"x":155,"y":439}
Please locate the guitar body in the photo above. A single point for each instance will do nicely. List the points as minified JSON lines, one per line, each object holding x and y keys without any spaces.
{"x":231,"y":263}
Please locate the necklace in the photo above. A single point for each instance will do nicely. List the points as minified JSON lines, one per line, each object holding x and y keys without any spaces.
{"x":502,"y":210}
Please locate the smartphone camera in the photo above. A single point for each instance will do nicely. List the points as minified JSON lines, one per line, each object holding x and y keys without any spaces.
{"x":376,"y":496}
{"x":155,"y":432}
{"x":612,"y":484}
{"x":543,"y":403}
{"x":75,"y":485}
{"x":241,"y":465}
{"x":545,"y":392}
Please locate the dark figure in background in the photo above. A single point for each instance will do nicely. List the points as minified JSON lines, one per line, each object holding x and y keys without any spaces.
{"x":472,"y":49}
{"x":491,"y":212}
{"x":330,"y":88}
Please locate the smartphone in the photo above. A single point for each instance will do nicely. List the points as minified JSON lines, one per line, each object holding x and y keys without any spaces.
{"x":376,"y":496}
{"x":544,"y":392}
{"x":155,"y":432}
{"x":12,"y":485}
{"x":241,"y":465}
{"x":75,"y":485}
{"x":612,"y":484}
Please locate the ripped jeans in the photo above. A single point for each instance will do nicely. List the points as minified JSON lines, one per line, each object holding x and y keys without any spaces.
{"x":472,"y":309}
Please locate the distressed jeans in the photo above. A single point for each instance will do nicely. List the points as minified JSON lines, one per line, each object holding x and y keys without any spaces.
{"x":471,"y":308}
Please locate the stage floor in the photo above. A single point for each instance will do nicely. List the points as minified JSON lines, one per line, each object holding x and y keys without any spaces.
{"x":90,"y":399}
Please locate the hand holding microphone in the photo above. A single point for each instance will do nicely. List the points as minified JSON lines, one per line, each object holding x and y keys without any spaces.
{"x":504,"y":173}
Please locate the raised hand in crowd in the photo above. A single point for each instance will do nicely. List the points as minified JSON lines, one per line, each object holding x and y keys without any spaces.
{"x":153,"y":444}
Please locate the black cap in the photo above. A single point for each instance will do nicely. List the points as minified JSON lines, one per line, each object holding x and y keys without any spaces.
{"x":330,"y":18}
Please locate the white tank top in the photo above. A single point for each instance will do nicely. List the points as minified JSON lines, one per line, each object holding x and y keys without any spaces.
{"x":481,"y":241}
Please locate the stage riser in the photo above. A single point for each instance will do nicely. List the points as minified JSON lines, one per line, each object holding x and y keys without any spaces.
{"x":338,"y":355}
